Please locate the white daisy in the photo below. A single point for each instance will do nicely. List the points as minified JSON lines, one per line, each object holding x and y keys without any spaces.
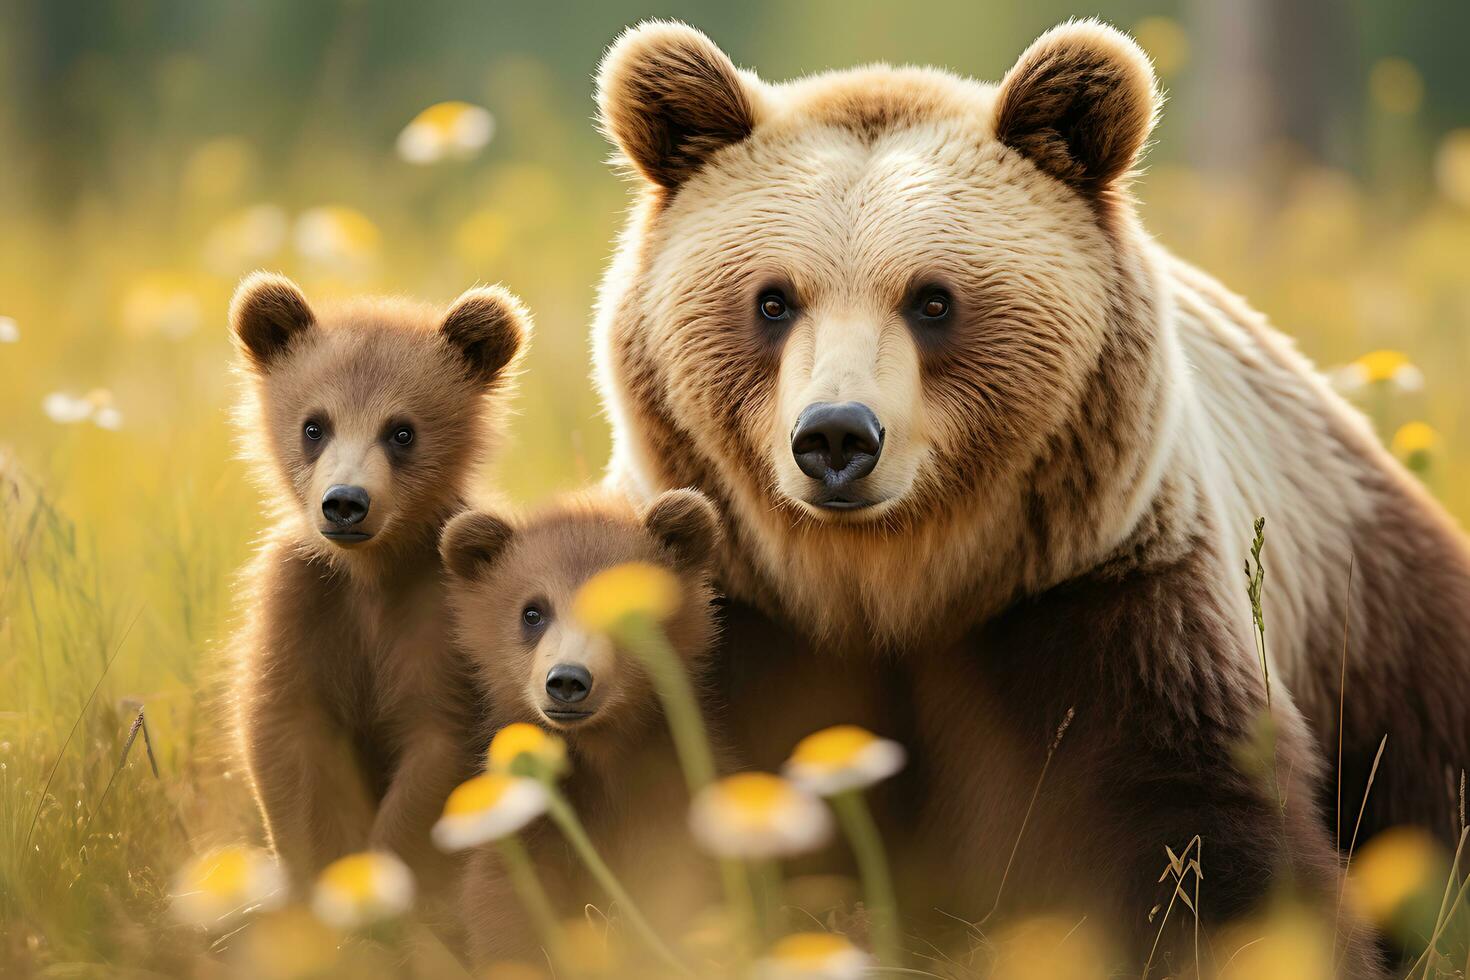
{"x":486,"y":808}
{"x":758,"y":815}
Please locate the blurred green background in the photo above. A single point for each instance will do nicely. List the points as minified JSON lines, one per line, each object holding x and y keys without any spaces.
{"x":1315,"y":155}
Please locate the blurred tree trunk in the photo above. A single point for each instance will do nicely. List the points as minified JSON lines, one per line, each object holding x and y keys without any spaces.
{"x":1273,"y":79}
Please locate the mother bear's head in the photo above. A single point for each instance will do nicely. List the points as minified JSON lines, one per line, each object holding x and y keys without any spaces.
{"x":904,"y":326}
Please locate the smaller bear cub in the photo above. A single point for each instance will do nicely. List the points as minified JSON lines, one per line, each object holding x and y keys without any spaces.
{"x":511,"y":592}
{"x":366,"y":422}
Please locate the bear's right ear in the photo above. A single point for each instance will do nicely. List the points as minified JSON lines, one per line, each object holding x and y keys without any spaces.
{"x":488,"y":326}
{"x":472,"y":542}
{"x":668,"y":97}
{"x":266,"y":314}
{"x":687,"y":524}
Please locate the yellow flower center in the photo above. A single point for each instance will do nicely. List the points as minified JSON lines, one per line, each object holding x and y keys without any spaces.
{"x":514,"y":741}
{"x":355,"y":876}
{"x":809,"y":949}
{"x":225,"y":873}
{"x":754,"y":796}
{"x":478,"y":795}
{"x":833,"y":748}
{"x":635,"y":588}
{"x":1392,"y":867}
{"x":1382,"y":365}
{"x":443,"y":116}
{"x":1414,"y":437}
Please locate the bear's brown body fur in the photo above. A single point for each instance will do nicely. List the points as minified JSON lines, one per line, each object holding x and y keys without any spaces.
{"x":354,"y":711}
{"x":625,"y":781}
{"x":1074,"y":433}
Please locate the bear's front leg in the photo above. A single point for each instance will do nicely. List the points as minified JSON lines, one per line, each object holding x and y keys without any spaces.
{"x":430,"y":765}
{"x":1139,"y":693}
{"x":308,"y":783}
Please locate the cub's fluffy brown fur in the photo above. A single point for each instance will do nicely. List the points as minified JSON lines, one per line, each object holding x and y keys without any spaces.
{"x":354,"y":713}
{"x":511,"y":592}
{"x":1071,"y":454}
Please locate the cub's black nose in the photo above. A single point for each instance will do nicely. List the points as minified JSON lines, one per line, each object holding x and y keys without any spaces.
{"x":837,"y":442}
{"x":344,"y":505}
{"x":568,"y":683}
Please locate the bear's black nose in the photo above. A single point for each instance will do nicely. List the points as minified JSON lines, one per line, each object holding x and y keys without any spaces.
{"x":568,"y":683}
{"x":344,"y":505}
{"x":837,"y":442}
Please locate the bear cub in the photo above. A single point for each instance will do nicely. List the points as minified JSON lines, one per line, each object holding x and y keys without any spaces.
{"x":511,"y":592}
{"x":366,"y":423}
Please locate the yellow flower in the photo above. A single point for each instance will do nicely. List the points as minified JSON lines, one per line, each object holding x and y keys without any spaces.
{"x":1392,"y":868}
{"x":338,"y":237}
{"x":446,"y":130}
{"x":814,"y":956}
{"x":287,"y":944}
{"x":1379,"y":367}
{"x":543,"y":753}
{"x":1289,"y":943}
{"x":1414,"y":443}
{"x":215,"y":889}
{"x":633,"y":589}
{"x":361,"y":889}
{"x":1048,"y":947}
{"x":758,"y":815}
{"x":486,"y":808}
{"x":841,"y":758}
{"x":161,"y":304}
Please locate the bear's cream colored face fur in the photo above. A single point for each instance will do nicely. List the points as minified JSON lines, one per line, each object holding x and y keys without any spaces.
{"x":902,"y":324}
{"x":370,"y":417}
{"x":856,"y":234}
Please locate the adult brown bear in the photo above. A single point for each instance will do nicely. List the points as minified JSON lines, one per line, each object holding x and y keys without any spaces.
{"x":992,"y":454}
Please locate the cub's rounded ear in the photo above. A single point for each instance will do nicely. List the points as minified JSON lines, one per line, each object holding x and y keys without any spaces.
{"x":472,"y":542}
{"x":487,"y":326}
{"x":688,"y":525}
{"x":267,"y":312}
{"x":1079,"y":104}
{"x":668,"y":97}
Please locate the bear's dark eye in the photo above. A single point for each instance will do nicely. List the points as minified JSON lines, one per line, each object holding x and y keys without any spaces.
{"x":934,"y":305}
{"x":402,"y":436}
{"x":773,"y":306}
{"x":313,"y":431}
{"x":532,"y":616}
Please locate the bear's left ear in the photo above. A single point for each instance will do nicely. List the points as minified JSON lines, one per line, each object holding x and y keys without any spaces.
{"x":1079,"y":104}
{"x":668,"y":97}
{"x":687,"y":524}
{"x":487,"y":326}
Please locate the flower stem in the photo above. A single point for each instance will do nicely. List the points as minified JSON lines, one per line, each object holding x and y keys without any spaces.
{"x":867,"y":846}
{"x":566,"y":818}
{"x":646,"y":639}
{"x":533,"y":897}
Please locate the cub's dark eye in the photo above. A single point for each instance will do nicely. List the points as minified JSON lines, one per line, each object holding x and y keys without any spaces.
{"x":313,"y":431}
{"x":934,"y":306}
{"x":402,"y":436}
{"x":532,"y":616}
{"x":773,"y":306}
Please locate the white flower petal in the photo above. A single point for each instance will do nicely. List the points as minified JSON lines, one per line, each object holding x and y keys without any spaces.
{"x":65,"y":408}
{"x":522,"y":802}
{"x":9,"y":330}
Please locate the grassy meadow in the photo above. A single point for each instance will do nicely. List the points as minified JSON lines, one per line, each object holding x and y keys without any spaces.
{"x":125,"y":513}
